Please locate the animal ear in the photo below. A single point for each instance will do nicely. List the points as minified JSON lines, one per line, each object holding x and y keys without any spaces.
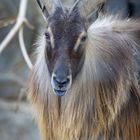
{"x":96,"y":13}
{"x":57,"y":4}
{"x":75,"y":8}
{"x":43,"y":9}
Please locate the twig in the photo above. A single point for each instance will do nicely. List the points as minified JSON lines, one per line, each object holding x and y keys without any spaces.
{"x":23,"y":48}
{"x":7,"y":22}
{"x":19,"y":99}
{"x":29,"y":25}
{"x":21,"y":20}
{"x":14,"y":30}
{"x":9,"y":37}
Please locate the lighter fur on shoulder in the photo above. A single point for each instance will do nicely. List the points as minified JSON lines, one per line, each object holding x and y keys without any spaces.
{"x":98,"y":93}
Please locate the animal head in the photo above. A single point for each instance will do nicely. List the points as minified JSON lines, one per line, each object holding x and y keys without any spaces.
{"x":65,"y":36}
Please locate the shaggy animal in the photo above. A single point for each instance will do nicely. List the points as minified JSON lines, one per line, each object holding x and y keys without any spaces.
{"x":84,"y":84}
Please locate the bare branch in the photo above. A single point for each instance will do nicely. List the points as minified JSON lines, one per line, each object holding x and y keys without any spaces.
{"x":22,"y":94}
{"x":23,"y":48}
{"x":29,"y":25}
{"x":18,"y":27}
{"x":7,"y":21}
{"x":10,"y":36}
{"x":14,"y":30}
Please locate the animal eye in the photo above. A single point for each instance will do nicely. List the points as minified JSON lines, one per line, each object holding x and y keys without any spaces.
{"x":80,"y":46}
{"x":83,"y":39}
{"x":47,"y":35}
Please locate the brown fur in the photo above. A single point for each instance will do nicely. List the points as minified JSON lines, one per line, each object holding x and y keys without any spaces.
{"x":103,"y":102}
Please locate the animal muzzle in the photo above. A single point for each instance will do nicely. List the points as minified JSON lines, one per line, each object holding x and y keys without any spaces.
{"x":61,"y":83}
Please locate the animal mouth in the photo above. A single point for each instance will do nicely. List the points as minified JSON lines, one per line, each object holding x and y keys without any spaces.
{"x":60,"y":92}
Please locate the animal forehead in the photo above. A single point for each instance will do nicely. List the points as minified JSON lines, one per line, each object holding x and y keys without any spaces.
{"x":65,"y":27}
{"x":65,"y":21}
{"x":60,"y":15}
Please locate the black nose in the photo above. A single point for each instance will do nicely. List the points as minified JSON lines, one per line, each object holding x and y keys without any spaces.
{"x":61,"y":81}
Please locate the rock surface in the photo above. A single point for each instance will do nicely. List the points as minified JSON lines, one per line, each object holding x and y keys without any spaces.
{"x":17,"y":125}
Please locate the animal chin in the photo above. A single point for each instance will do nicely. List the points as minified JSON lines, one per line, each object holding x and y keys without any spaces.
{"x":59,"y":92}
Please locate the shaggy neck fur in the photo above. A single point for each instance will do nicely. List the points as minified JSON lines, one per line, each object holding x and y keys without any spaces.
{"x":100,"y":103}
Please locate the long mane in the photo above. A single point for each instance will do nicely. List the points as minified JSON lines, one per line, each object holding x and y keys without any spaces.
{"x":94,"y":106}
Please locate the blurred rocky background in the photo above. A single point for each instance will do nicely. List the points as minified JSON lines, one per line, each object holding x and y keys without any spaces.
{"x":16,"y":120}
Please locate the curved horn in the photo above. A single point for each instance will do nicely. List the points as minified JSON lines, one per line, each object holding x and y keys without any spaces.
{"x":58,"y":4}
{"x":40,"y":3}
{"x":43,"y":8}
